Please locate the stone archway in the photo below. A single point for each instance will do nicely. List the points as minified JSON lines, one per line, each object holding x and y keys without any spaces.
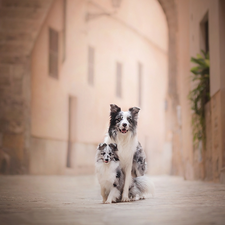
{"x":170,"y":10}
{"x":173,"y":114}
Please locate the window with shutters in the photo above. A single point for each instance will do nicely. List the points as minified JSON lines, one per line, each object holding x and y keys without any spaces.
{"x":140,"y":77}
{"x":53,"y":53}
{"x":204,"y":33}
{"x":119,"y":80}
{"x":91,"y":60}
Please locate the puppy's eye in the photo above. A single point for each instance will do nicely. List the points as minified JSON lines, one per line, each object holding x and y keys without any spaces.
{"x":119,"y":119}
{"x":103,"y":153}
{"x":110,"y":154}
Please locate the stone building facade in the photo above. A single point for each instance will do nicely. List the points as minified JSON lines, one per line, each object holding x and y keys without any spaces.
{"x":84,"y":56}
{"x":41,"y":115}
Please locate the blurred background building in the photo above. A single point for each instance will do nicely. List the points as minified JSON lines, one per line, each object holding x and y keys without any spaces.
{"x":63,"y":62}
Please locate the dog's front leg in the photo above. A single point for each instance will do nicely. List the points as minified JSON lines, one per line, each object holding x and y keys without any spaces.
{"x":113,"y":195}
{"x":104,"y":197}
{"x":128,"y":179}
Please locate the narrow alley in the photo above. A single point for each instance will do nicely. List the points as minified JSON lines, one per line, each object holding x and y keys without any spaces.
{"x":76,"y":200}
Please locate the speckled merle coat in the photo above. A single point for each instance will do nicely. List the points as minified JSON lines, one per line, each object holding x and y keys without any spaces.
{"x":111,"y":177}
{"x":123,"y":131}
{"x":109,"y":173}
{"x":139,"y":166}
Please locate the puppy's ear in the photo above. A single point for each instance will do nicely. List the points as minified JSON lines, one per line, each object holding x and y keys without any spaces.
{"x":114,"y":108}
{"x":113,"y":146}
{"x":134,"y":111}
{"x":101,"y":146}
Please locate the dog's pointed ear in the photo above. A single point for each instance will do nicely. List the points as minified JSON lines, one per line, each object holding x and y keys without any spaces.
{"x":114,"y":108}
{"x":101,"y":146}
{"x":134,"y":111}
{"x":113,"y":146}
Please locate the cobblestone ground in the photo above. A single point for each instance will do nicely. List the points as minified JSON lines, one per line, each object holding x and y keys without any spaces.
{"x":76,"y":200}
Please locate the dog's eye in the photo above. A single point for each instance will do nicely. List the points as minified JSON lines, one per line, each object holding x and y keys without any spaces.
{"x":103,"y":153}
{"x":110,"y":154}
{"x":129,"y":119}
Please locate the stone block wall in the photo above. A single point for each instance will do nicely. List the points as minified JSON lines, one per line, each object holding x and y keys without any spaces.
{"x":222,"y":171}
{"x":20,"y":22}
{"x":210,"y":168}
{"x":216,"y":135}
{"x":207,"y":152}
{"x":14,"y":116}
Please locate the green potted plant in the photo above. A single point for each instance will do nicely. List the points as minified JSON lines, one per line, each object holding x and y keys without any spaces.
{"x":199,"y":96}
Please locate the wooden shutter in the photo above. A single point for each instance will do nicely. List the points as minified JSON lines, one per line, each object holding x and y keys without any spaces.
{"x":53,"y":53}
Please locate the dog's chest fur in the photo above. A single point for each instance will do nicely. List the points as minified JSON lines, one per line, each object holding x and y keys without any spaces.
{"x":126,"y":148}
{"x":106,"y":173}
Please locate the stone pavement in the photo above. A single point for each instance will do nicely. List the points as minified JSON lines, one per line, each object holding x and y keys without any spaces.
{"x":76,"y":200}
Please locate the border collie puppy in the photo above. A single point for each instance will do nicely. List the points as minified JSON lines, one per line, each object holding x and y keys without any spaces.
{"x":123,"y":131}
{"x":111,"y":177}
{"x":109,"y":173}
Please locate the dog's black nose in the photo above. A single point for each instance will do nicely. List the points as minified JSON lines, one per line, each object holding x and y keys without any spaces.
{"x":124,"y":124}
{"x":106,"y":160}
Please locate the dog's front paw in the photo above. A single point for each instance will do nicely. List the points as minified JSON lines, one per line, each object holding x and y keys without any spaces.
{"x":125,"y":199}
{"x":108,"y":201}
{"x":104,"y":200}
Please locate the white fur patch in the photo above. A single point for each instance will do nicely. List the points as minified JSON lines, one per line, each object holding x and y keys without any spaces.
{"x":126,"y":145}
{"x":125,"y":120}
{"x":106,"y":173}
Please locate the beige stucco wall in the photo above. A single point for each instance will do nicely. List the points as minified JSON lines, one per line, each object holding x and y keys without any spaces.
{"x":190,"y":15}
{"x":128,"y":37}
{"x":184,"y":86}
{"x":198,"y":9}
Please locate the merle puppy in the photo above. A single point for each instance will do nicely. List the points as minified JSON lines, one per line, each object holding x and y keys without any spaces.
{"x":111,"y":176}
{"x":109,"y":173}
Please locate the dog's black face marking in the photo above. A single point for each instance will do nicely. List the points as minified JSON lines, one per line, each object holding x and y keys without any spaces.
{"x":114,"y":119}
{"x":107,"y":153}
{"x":122,"y":121}
{"x":134,"y":115}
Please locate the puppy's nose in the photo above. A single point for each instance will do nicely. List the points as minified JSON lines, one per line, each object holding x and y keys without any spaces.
{"x":106,"y":160}
{"x":124,"y":124}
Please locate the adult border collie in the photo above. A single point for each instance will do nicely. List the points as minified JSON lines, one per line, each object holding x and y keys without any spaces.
{"x":123,"y":131}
